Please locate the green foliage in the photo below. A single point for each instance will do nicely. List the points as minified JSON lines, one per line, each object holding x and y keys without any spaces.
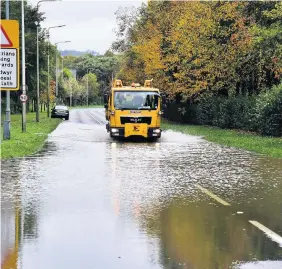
{"x":100,"y":70}
{"x":67,"y":73}
{"x":233,"y":112}
{"x":261,"y":114}
{"x":268,"y":109}
{"x":214,"y":57}
{"x":101,"y":66}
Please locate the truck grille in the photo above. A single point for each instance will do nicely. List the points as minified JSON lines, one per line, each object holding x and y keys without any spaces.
{"x":124,"y":120}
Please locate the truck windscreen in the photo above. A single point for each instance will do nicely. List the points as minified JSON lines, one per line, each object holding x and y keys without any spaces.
{"x":136,"y":100}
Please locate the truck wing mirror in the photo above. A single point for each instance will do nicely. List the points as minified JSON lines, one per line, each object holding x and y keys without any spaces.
{"x":106,"y":98}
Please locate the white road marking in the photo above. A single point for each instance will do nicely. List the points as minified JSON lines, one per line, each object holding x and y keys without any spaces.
{"x":272,"y":235}
{"x":91,"y":115}
{"x":215,"y":197}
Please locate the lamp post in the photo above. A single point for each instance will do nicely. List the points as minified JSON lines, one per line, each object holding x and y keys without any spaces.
{"x":37,"y":59}
{"x":37,"y":72}
{"x":56,"y":44}
{"x":63,"y":66}
{"x":48,"y":86}
{"x":23,"y":69}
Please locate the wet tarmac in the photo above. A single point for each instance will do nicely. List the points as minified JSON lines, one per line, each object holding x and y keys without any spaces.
{"x":87,"y":201}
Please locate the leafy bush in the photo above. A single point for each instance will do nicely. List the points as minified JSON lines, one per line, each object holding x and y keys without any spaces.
{"x":269,"y":112}
{"x":261,"y":113}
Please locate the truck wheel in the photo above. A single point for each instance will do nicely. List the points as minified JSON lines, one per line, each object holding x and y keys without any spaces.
{"x":67,"y":118}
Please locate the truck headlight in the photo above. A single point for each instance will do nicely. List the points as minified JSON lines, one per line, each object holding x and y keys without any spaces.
{"x":114,"y":130}
{"x":157,"y":131}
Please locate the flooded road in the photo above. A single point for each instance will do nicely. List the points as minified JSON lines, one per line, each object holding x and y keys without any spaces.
{"x":86,"y":201}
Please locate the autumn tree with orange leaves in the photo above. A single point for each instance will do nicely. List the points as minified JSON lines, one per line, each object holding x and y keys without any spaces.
{"x":192,"y":47}
{"x":218,"y":62}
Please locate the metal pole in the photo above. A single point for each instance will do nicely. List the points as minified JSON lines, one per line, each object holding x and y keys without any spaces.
{"x":7,"y":121}
{"x":71,"y":98}
{"x":62,"y":67}
{"x":23,"y":71}
{"x":37,"y":92}
{"x":48,"y":86}
{"x":56,"y":75}
{"x":87,"y":86}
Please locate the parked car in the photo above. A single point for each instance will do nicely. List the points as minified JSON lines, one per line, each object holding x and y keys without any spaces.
{"x":60,"y":112}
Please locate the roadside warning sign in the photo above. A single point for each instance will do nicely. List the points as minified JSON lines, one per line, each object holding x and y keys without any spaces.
{"x":9,"y":55}
{"x":23,"y":98}
{"x":5,"y":40}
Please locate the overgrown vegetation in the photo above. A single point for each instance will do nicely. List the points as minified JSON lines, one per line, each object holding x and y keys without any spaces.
{"x":24,"y":144}
{"x":218,"y":62}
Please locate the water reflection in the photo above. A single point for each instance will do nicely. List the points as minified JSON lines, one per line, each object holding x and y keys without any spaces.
{"x":204,"y":236}
{"x":85,"y":202}
{"x":10,"y":227}
{"x":19,"y":208}
{"x":195,"y":231}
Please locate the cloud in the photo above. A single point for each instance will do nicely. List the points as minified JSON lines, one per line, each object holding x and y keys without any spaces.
{"x":89,"y":24}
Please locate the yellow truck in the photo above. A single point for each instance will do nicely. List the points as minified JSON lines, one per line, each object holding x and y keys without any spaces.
{"x":133,"y":110}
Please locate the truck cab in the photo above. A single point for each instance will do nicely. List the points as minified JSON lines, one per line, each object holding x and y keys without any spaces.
{"x":133,"y":110}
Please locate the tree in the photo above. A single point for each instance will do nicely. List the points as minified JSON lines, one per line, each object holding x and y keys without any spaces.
{"x":104,"y":67}
{"x":93,"y":87}
{"x":189,"y":48}
{"x":268,"y":40}
{"x":31,"y":16}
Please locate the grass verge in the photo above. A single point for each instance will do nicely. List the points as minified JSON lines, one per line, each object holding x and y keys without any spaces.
{"x":265,"y":145}
{"x":23,"y":144}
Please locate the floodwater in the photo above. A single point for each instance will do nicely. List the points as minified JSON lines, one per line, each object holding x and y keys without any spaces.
{"x":86,"y":201}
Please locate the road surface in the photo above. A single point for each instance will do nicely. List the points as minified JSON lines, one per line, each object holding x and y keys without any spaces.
{"x":86,"y":201}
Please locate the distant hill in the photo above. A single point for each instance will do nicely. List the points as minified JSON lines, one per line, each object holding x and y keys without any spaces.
{"x":77,"y":52}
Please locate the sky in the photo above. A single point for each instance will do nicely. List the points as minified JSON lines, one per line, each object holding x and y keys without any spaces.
{"x":89,"y":24}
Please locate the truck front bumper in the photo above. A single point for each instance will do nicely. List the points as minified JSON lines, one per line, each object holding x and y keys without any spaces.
{"x":120,"y":132}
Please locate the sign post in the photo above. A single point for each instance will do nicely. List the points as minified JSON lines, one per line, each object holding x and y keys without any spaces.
{"x":23,"y":70}
{"x":23,"y":98}
{"x":9,"y":63}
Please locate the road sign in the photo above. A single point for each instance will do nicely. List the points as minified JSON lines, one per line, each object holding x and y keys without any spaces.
{"x":9,"y":55}
{"x":23,"y":98}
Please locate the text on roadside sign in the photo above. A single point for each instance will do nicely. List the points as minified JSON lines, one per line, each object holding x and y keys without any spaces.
{"x":8,"y":72}
{"x":9,"y":55}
